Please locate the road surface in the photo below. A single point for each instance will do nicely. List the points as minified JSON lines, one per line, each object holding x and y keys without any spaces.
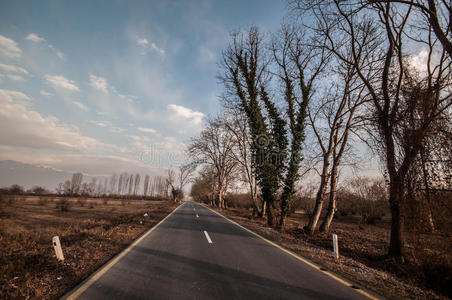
{"x":197,"y":254}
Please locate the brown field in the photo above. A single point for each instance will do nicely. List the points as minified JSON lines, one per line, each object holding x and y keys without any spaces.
{"x":91,"y":232}
{"x":427,"y":274}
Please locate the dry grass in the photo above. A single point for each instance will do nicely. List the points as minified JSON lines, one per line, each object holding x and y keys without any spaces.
{"x":363,"y":249}
{"x":91,"y":231}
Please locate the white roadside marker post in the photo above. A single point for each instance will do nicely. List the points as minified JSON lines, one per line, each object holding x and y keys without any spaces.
{"x":335,"y":246}
{"x":57,"y":247}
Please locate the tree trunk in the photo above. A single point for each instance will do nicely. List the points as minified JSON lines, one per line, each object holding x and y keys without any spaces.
{"x":264,"y":207}
{"x":325,"y":227}
{"x":270,"y":217}
{"x":282,"y":220}
{"x":312,"y":225}
{"x":396,"y":243}
{"x":220,"y":199}
{"x":427,"y":193}
{"x":220,"y":193}
{"x":253,"y":195}
{"x":269,"y":199}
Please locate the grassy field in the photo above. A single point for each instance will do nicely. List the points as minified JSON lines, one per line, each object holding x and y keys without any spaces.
{"x":427,"y":274}
{"x":91,"y":231}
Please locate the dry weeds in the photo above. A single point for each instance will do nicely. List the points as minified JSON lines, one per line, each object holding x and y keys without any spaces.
{"x":90,"y":235}
{"x":362,"y":249}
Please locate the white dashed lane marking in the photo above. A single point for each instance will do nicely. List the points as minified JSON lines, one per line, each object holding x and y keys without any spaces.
{"x":208,"y":237}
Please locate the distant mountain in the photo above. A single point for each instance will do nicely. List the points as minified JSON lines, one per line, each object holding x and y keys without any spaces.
{"x":27,"y":175}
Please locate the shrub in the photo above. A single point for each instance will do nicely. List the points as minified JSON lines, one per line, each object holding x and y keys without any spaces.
{"x":364,"y":196}
{"x":16,"y":189}
{"x":63,"y":204}
{"x":238,"y":200}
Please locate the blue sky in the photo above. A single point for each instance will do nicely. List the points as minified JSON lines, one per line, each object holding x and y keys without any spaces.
{"x":110,"y":86}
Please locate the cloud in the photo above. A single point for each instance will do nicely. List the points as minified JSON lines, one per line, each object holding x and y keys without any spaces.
{"x":81,"y":106}
{"x":145,"y":46}
{"x":148,"y":130}
{"x":13,"y":69}
{"x":34,"y":38}
{"x":15,"y":77}
{"x":44,"y":93}
{"x":142,"y":42}
{"x":139,"y":138}
{"x":59,"y":82}
{"x":60,"y":54}
{"x":16,"y":96}
{"x":88,"y":164}
{"x":159,"y":50}
{"x":419,"y":61}
{"x":98,"y":123}
{"x":23,"y":127}
{"x":181,"y":112}
{"x":98,"y":83}
{"x":9,"y":48}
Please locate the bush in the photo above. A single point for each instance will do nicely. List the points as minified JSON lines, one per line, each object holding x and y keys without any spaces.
{"x":238,"y":200}
{"x":363,"y":196}
{"x":16,"y":189}
{"x":63,"y":204}
{"x":39,"y":190}
{"x":304,"y":199}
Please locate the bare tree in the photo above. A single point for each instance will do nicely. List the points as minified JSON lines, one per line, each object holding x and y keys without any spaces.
{"x":130,"y":184}
{"x":92,"y":186}
{"x":214,"y":147}
{"x":171,"y":184}
{"x":136,"y":183}
{"x":146,"y":185}
{"x":403,"y":105}
{"x":436,"y":13}
{"x":76,"y":183}
{"x":123,"y":179}
{"x":331,"y":120}
{"x":113,"y":182}
{"x":185,"y":175}
{"x":236,"y":122}
{"x":67,"y":187}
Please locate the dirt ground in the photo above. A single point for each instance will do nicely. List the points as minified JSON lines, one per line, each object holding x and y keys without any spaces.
{"x":362,"y":254}
{"x":91,"y":232}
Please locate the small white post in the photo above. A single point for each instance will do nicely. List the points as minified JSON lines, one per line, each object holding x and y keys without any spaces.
{"x":57,"y":247}
{"x":335,"y":246}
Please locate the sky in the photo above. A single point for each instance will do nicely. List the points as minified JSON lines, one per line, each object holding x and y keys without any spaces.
{"x":111,"y":86}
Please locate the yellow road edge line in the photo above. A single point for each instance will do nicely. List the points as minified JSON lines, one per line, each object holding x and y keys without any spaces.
{"x":77,"y":291}
{"x":344,"y":282}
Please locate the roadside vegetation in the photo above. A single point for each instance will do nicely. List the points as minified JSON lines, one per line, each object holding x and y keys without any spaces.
{"x":299,"y":107}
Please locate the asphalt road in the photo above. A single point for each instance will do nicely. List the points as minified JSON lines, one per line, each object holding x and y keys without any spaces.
{"x":197,"y":254}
